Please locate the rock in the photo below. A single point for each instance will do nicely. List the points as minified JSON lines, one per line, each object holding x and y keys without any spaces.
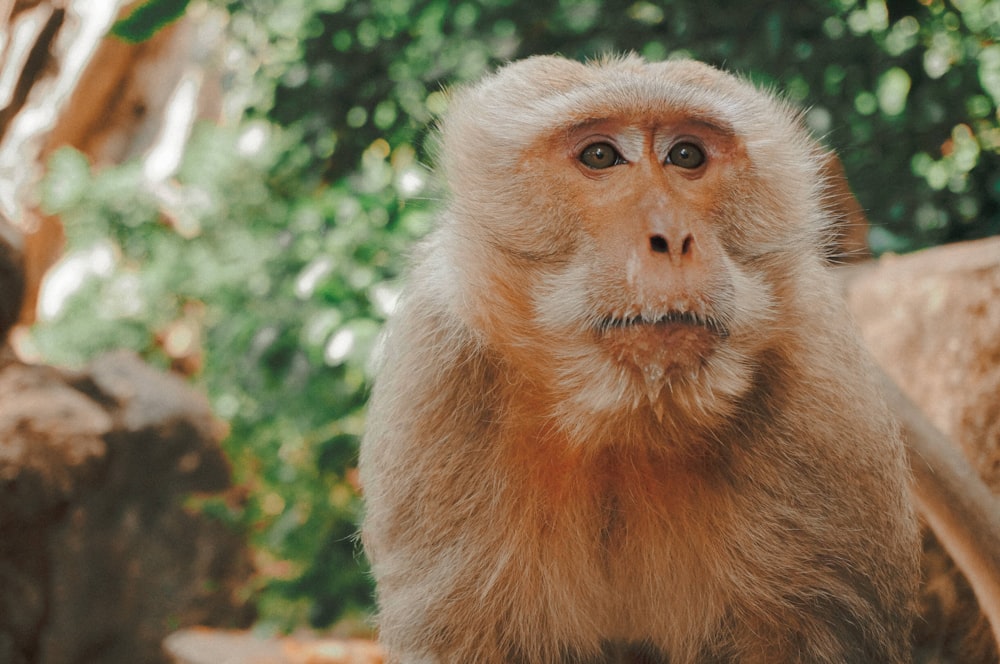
{"x":153,"y":406}
{"x":51,"y":442}
{"x":932,"y":320}
{"x":100,"y":556}
{"x":206,"y":646}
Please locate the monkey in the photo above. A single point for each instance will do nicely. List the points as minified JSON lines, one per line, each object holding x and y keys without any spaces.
{"x":620,"y":413}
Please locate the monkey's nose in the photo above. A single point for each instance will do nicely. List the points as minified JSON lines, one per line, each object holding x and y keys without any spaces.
{"x":679,"y":247}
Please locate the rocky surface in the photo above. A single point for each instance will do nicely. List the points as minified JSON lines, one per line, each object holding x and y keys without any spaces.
{"x":100,"y":558}
{"x":205,"y":646}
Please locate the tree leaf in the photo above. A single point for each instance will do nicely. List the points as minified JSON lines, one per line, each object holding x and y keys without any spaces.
{"x":146,"y":19}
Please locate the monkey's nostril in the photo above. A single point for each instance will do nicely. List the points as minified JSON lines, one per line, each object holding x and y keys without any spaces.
{"x":658,"y":244}
{"x":687,"y":246}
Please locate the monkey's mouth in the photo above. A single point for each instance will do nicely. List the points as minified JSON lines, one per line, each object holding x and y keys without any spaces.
{"x":664,"y":344}
{"x":672,"y":320}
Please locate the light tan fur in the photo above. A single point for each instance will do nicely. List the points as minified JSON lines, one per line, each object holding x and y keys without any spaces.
{"x":620,"y":413}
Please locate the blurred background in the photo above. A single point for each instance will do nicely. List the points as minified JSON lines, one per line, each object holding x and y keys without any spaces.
{"x":229,"y":189}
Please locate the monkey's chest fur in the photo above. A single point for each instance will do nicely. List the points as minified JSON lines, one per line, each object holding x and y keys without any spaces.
{"x":539,"y":551}
{"x":632,"y":539}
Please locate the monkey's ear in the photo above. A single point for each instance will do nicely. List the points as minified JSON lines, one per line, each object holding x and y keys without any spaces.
{"x":848,"y":241}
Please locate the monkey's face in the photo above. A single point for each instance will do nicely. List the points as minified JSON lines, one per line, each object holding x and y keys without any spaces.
{"x":625,"y":250}
{"x":645,"y":298}
{"x":643,"y":191}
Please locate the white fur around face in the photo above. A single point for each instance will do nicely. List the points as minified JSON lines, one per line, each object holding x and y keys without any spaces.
{"x":503,"y":156}
{"x":594,"y":385}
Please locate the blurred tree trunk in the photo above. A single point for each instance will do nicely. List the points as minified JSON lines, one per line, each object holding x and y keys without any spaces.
{"x":64,"y":83}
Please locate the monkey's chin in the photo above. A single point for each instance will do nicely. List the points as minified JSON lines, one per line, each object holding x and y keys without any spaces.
{"x":676,"y":348}
{"x":685,"y":373}
{"x":667,"y":357}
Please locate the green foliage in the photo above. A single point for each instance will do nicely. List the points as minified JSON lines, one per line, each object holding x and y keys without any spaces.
{"x":288,"y":282}
{"x":886,"y":84}
{"x":147,"y":18}
{"x":276,"y":245}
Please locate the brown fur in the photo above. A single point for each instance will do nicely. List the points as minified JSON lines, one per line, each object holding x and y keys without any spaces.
{"x":554,"y":472}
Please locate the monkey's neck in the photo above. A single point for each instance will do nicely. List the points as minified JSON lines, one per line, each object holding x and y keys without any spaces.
{"x":531,"y":424}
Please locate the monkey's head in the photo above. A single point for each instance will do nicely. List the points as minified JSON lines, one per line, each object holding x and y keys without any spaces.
{"x":631,"y":236}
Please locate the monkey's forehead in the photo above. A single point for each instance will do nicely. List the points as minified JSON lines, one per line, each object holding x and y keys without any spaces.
{"x":546,"y":94}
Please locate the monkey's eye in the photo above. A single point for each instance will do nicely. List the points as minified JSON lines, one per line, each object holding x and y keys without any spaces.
{"x":600,"y":155}
{"x":686,"y":155}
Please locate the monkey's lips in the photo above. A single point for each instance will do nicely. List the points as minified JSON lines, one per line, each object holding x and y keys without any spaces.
{"x":674,"y":340}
